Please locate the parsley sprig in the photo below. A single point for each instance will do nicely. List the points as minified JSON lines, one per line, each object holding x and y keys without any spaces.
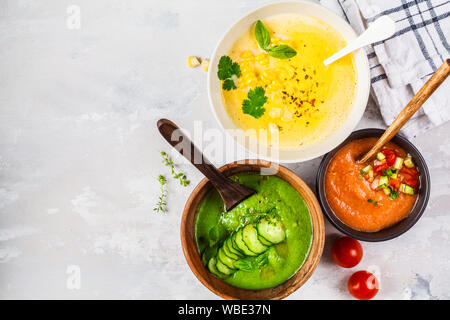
{"x":228,"y":71}
{"x":161,"y":204}
{"x":255,"y":102}
{"x":281,"y":51}
{"x":167,"y":161}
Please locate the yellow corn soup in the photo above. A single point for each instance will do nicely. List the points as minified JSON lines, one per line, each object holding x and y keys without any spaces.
{"x":307,"y":101}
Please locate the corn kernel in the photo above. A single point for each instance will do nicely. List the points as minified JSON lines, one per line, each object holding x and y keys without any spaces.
{"x":251,"y":81}
{"x":247,"y":55}
{"x":262,"y":59}
{"x":245,"y":65}
{"x":192,"y":62}
{"x":205,"y":65}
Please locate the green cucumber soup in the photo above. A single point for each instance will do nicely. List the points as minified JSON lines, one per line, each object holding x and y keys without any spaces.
{"x":263,"y":241}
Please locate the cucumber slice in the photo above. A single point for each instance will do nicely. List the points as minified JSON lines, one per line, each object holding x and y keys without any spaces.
{"x":232,"y":250}
{"x":235,"y":246}
{"x":242,"y":246}
{"x":213,"y":269}
{"x":227,"y":251}
{"x":222,"y":257}
{"x":223,"y":268}
{"x":264,"y":241}
{"x":271,"y":229}
{"x":250,"y":236}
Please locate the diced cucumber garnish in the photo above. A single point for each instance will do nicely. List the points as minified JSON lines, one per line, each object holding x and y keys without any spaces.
{"x":380,"y":156}
{"x":406,"y":189}
{"x":366,"y":169}
{"x":398,"y":163}
{"x":409,"y":163}
{"x":383,"y":181}
{"x":387,"y":191}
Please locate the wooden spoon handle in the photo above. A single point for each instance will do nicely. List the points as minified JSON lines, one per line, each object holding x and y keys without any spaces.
{"x":416,"y":102}
{"x":231,"y":192}
{"x":173,"y":134}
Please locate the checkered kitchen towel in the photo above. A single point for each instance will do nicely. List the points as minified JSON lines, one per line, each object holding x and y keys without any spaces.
{"x":401,"y":64}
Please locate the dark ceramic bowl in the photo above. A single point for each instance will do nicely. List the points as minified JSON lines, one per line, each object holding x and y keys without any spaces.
{"x":402,"y":226}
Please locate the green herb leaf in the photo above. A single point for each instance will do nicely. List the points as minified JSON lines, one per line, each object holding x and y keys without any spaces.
{"x":262,"y":35}
{"x":262,"y":259}
{"x":370,"y":200}
{"x":255,"y":102}
{"x":217,"y":234}
{"x":394,"y":195}
{"x":246,"y":264}
{"x":282,"y":52}
{"x":161,"y":204}
{"x":229,"y":84}
{"x":208,"y":253}
{"x":167,"y":161}
{"x":360,"y":176}
{"x":227,"y":68}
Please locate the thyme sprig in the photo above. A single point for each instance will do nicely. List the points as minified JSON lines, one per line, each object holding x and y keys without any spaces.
{"x":161,"y":204}
{"x":167,"y":161}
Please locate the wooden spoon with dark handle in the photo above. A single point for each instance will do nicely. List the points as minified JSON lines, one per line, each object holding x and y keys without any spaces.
{"x":232,"y":193}
{"x":416,"y":102}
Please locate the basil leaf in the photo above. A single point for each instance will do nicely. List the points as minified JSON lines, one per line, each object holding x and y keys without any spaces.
{"x":263,"y":259}
{"x":262,"y":35}
{"x":246,"y":264}
{"x":217,"y":234}
{"x":208,"y":254}
{"x":281,"y":52}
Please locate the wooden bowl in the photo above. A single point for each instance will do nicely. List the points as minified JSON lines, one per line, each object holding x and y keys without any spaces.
{"x":222,"y":288}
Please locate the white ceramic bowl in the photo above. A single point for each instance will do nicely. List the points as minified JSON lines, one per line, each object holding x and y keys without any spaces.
{"x":363,"y":80}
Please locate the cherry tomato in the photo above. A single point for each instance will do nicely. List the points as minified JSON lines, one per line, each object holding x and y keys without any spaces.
{"x":390,"y":156}
{"x":410,"y":171}
{"x":347,"y":252}
{"x":363,"y":285}
{"x":412,"y":182}
{"x":377,"y":169}
{"x":390,"y":159}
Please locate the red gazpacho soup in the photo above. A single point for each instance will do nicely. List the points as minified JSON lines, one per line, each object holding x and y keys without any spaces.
{"x":373,"y":196}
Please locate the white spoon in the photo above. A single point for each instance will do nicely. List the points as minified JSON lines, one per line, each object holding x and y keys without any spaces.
{"x":382,"y":28}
